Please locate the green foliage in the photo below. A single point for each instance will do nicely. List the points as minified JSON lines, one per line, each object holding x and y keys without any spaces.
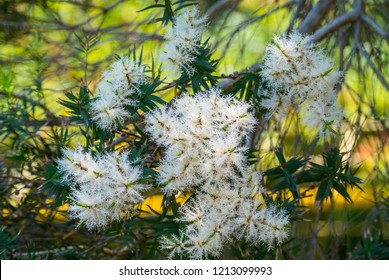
{"x":86,"y":42}
{"x":7,"y":77}
{"x":204,"y":66}
{"x":371,"y":248}
{"x":334,"y":174}
{"x":281,"y":177}
{"x":247,"y":87}
{"x":169,"y":9}
{"x":7,"y":243}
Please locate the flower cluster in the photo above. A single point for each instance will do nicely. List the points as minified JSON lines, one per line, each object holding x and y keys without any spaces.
{"x":102,"y":189}
{"x":203,"y":136}
{"x":118,"y":89}
{"x":226,"y":213}
{"x":300,"y":76}
{"x":183,"y":41}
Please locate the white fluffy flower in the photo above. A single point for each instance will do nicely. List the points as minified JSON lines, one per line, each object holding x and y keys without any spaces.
{"x":224,"y":213}
{"x":79,"y":167}
{"x":203,"y":136}
{"x":119,"y":88}
{"x":183,"y":42}
{"x":103,"y":188}
{"x":174,"y":244}
{"x":262,"y":226}
{"x":108,"y":110}
{"x":125,"y":76}
{"x":89,"y":208}
{"x":321,"y":113}
{"x":301,"y":77}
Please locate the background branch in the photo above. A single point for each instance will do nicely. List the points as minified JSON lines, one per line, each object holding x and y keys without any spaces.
{"x":315,"y":16}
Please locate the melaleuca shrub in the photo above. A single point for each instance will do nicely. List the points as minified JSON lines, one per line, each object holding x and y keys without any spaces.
{"x":196,"y":144}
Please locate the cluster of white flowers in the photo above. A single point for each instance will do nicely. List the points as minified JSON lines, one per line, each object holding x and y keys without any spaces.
{"x":203,"y":136}
{"x":183,"y":42}
{"x":103,"y":189}
{"x":227,"y":213}
{"x":118,"y":89}
{"x":301,"y":77}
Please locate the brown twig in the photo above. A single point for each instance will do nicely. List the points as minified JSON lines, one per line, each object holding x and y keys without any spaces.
{"x":315,"y":16}
{"x":349,"y":17}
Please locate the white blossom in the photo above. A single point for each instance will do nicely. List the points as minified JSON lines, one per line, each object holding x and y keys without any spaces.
{"x":79,"y":167}
{"x":183,"y":41}
{"x":301,"y":77}
{"x":205,"y":154}
{"x":262,"y":226}
{"x":119,"y":87}
{"x":125,"y":76}
{"x":175,"y":244}
{"x":203,"y":136}
{"x":108,"y":110}
{"x":321,"y":114}
{"x":177,"y":60}
{"x":102,"y":188}
{"x":89,"y":208}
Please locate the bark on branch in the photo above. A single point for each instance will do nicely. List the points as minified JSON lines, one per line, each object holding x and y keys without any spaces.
{"x":316,"y":15}
{"x":338,"y":22}
{"x":220,"y":6}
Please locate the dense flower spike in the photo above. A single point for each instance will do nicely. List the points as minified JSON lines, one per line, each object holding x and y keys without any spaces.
{"x":118,"y":89}
{"x":203,"y":136}
{"x":225,"y":213}
{"x":183,"y":41}
{"x":102,"y":188}
{"x":301,"y":76}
